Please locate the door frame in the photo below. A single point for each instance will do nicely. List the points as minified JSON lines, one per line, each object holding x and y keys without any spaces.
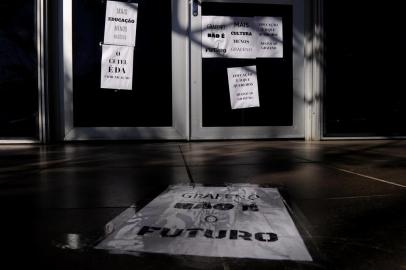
{"x":180,"y":86}
{"x":199,"y":132}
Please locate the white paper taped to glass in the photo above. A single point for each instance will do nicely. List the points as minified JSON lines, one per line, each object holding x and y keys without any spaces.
{"x":232,"y":221}
{"x":243,"y":87}
{"x":242,"y":37}
{"x":118,"y":48}
{"x":117,"y":67}
{"x":121,"y":23}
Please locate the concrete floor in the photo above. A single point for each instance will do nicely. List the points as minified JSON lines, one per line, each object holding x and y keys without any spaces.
{"x":347,"y":199}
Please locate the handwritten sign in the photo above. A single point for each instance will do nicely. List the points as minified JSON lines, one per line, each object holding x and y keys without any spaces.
{"x":243,"y":86}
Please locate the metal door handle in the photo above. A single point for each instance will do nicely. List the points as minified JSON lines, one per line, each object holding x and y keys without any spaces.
{"x":195,"y":8}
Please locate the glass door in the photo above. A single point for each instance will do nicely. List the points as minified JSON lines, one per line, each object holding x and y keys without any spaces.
{"x":363,"y":94}
{"x":247,"y":69}
{"x":114,"y":89}
{"x":21,"y":71}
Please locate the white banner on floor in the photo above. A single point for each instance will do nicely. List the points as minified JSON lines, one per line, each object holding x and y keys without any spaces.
{"x":233,"y":221}
{"x":242,"y":37}
{"x":243,"y":87}
{"x":121,"y":23}
{"x":117,"y":67}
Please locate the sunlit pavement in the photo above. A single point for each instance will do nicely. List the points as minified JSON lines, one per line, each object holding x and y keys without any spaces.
{"x":347,"y":199}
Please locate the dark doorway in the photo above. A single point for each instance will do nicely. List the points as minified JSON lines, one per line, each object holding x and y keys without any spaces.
{"x":149,"y":103}
{"x":365,"y":53}
{"x":18,"y":70}
{"x":275,"y":77}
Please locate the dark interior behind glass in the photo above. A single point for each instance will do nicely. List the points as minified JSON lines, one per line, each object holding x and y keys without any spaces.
{"x":275,"y":79}
{"x":150,"y":101}
{"x":18,"y":70}
{"x":365,"y":53}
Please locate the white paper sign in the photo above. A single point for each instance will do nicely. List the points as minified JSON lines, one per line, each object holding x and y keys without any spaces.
{"x":121,"y":23}
{"x":214,"y":36}
{"x":232,"y":37}
{"x":242,"y":37}
{"x":117,"y":67}
{"x":232,"y":221}
{"x":270,"y":40}
{"x":243,"y":86}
